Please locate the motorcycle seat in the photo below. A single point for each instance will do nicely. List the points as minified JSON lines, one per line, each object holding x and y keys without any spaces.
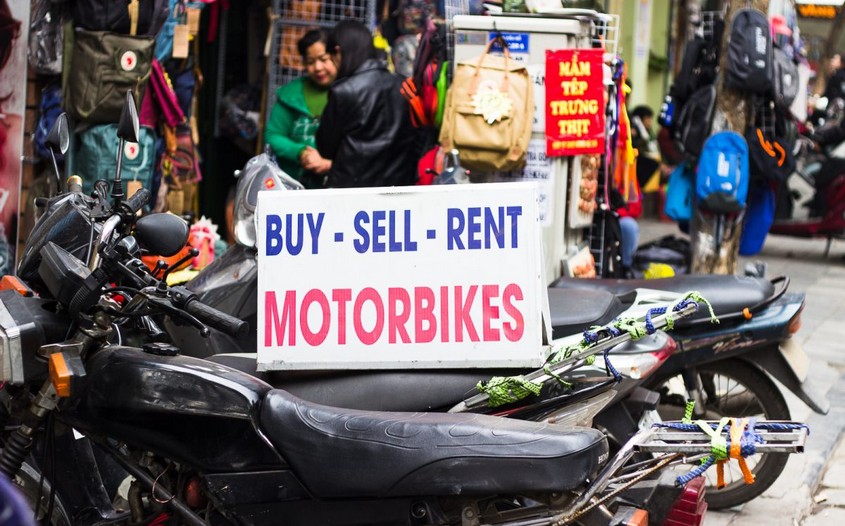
{"x":367,"y":454}
{"x":727,"y":294}
{"x":388,"y":390}
{"x":574,"y":309}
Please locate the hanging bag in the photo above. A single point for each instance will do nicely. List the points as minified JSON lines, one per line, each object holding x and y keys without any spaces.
{"x":750,"y":61}
{"x":680,"y":193}
{"x":721,"y":184}
{"x":104,"y":66}
{"x":489,"y":111}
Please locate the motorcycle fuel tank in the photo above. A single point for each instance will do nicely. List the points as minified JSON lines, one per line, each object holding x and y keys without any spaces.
{"x":183,"y":408}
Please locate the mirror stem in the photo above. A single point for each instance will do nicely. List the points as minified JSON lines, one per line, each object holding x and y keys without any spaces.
{"x":117,"y":186}
{"x":56,"y":171}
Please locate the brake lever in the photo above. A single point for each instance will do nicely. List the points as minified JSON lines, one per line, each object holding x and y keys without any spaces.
{"x":170,"y":310}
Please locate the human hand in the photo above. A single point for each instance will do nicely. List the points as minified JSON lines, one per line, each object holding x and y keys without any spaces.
{"x":309,"y":157}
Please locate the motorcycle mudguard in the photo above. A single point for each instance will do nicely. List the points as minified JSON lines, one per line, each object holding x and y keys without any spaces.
{"x":772,"y":360}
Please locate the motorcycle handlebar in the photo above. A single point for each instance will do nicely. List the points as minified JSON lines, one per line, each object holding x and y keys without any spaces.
{"x":132,"y":205}
{"x":210,"y":316}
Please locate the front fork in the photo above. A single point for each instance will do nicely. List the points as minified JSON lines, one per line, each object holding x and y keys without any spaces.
{"x":21,"y":440}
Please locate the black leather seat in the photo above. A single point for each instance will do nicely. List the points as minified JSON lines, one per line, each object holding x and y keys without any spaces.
{"x":357,"y":454}
{"x":727,"y":294}
{"x":574,"y":309}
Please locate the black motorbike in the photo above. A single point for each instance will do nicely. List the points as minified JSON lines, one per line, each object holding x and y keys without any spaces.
{"x":103,"y":433}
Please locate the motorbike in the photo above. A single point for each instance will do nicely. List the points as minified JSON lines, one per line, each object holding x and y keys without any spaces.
{"x":128,"y":435}
{"x":811,"y":203}
{"x":729,"y":367}
{"x":742,"y":351}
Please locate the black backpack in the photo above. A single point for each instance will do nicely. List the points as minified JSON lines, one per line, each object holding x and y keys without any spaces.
{"x":750,"y":63}
{"x":698,"y":68}
{"x":693,"y":125}
{"x":785,"y":79}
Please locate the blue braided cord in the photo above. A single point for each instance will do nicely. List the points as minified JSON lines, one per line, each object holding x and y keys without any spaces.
{"x":610,"y":367}
{"x":678,"y":425}
{"x":649,"y":324}
{"x":591,"y":336}
{"x":683,"y":305}
{"x":684,"y":479}
{"x":768,"y":426}
{"x":614,"y":331}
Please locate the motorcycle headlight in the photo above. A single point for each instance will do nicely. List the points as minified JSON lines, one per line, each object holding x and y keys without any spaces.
{"x":259,"y":174}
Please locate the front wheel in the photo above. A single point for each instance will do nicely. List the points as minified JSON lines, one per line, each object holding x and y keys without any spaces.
{"x":736,"y":389}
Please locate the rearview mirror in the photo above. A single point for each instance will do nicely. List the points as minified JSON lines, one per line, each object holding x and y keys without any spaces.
{"x":127,"y":127}
{"x":58,"y":139}
{"x":162,"y":234}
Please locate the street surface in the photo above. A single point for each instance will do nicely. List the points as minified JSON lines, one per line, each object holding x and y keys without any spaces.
{"x":811,"y":490}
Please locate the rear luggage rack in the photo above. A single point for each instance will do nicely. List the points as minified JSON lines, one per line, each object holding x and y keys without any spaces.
{"x":777,"y":436}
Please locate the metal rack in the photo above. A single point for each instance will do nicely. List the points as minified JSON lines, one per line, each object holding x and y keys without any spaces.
{"x":292,"y":18}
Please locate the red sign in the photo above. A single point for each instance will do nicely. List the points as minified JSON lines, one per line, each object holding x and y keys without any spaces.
{"x":574,"y":102}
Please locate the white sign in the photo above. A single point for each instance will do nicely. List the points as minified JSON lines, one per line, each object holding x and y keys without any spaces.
{"x":539,"y":169}
{"x":406,"y":277}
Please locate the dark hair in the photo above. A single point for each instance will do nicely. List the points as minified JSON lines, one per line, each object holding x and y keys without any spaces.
{"x":9,"y":31}
{"x":355,"y":43}
{"x":642,"y":112}
{"x":309,"y":39}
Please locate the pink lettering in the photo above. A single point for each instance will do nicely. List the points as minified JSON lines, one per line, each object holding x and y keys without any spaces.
{"x":513,"y":331}
{"x":397,"y":319}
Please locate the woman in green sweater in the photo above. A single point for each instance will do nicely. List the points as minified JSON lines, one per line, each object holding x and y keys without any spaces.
{"x":296,"y":114}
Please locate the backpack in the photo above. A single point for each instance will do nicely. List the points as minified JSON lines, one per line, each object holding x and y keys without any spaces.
{"x":721,"y":184}
{"x":411,"y":15}
{"x":750,"y":61}
{"x":694,"y":121}
{"x":96,"y":156}
{"x":785,"y":79}
{"x":46,"y":37}
{"x":758,"y":219}
{"x":680,"y":194}
{"x":698,"y":68}
{"x":113,"y":15}
{"x":49,"y":110}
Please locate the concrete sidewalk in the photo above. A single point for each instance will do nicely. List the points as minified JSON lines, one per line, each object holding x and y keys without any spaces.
{"x":811,"y":490}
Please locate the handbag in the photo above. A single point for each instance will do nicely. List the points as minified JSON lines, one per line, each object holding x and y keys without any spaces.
{"x":680,"y":194}
{"x":489,"y":112}
{"x":179,"y":169}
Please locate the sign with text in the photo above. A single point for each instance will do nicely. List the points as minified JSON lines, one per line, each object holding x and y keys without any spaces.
{"x":574,"y":102}
{"x":412,"y":277}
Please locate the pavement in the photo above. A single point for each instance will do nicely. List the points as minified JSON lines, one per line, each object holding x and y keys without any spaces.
{"x":811,"y":489}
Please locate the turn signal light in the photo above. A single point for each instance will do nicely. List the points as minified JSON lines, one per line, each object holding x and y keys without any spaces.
{"x":628,"y":516}
{"x":13,"y":283}
{"x":66,"y":370}
{"x":795,"y":322}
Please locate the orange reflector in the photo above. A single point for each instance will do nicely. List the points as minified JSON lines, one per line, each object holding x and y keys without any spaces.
{"x":640,"y":518}
{"x":60,"y":375}
{"x":746,"y":313}
{"x":795,"y":323}
{"x":13,"y":283}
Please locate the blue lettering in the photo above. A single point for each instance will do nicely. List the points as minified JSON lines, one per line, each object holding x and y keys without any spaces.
{"x":393,"y":245}
{"x":514,"y":212}
{"x":454,"y":228}
{"x":273,"y":246}
{"x":315,"y":230}
{"x":294,"y":248}
{"x":410,"y":245}
{"x":363,"y":244}
{"x":494,"y":228}
{"x":473,"y":215}
{"x":378,"y":230}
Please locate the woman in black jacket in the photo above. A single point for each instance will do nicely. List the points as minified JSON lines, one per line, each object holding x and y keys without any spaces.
{"x":366,"y":127}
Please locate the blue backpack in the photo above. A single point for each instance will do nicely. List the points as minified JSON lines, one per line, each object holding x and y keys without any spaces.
{"x":49,"y":111}
{"x":96,"y":156}
{"x":721,"y":185}
{"x":680,"y":193}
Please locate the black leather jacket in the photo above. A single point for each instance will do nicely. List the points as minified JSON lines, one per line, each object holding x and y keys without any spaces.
{"x":366,"y":130}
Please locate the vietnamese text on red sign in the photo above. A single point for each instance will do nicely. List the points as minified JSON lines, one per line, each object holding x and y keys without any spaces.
{"x":574,"y":102}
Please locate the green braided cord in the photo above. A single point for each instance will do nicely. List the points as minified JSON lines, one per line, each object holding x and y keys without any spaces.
{"x":688,"y":412}
{"x":630,"y":325}
{"x":718,"y":443}
{"x":548,"y":370}
{"x":503,"y":390}
{"x":696,"y":296}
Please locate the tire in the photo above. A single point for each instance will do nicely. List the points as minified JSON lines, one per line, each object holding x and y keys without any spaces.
{"x":27,"y":481}
{"x":754,"y":394}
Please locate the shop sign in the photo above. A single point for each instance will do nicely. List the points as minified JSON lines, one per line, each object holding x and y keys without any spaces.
{"x":397,"y":278}
{"x":574,"y":102}
{"x":517,"y":45}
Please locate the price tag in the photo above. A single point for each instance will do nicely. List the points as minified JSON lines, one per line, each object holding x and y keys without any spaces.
{"x":193,"y":20}
{"x":132,"y":187}
{"x":180,"y":41}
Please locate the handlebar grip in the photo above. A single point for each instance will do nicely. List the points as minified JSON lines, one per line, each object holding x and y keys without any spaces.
{"x":219,"y":320}
{"x":137,"y":201}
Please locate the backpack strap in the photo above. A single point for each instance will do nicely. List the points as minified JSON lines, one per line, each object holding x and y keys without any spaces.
{"x":133,"y":17}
